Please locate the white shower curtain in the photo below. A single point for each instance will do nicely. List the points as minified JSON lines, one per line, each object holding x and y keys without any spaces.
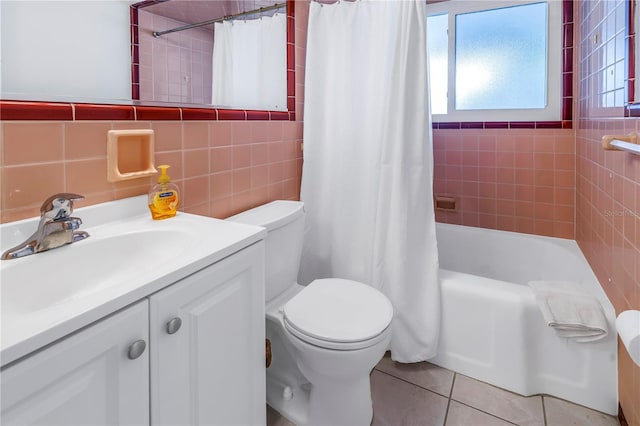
{"x":368,"y":166}
{"x":250,"y":63}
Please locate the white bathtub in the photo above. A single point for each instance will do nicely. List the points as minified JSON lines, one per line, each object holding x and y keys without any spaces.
{"x":492,"y":329}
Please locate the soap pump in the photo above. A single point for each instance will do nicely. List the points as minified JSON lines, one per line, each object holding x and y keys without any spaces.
{"x":163,"y":197}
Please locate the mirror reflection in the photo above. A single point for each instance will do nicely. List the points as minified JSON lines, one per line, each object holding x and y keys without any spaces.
{"x":226,"y":53}
{"x":73,"y":51}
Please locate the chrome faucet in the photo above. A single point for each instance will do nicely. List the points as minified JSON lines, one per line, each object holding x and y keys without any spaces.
{"x":56,"y":227}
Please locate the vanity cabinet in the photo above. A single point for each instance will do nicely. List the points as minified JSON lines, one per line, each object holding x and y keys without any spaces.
{"x":207,"y":334}
{"x":87,"y":378}
{"x":203,"y":360}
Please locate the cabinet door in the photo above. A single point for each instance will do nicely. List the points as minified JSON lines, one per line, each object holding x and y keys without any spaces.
{"x":84,"y":379}
{"x":211,"y":371}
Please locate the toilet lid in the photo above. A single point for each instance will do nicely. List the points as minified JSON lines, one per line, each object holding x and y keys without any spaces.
{"x":338,"y":311}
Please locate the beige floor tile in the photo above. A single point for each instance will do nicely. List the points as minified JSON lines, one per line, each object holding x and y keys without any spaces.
{"x":563,"y":413}
{"x":276,"y":419}
{"x":462,"y":415}
{"x":398,"y":403}
{"x":423,"y":374}
{"x":524,"y":411}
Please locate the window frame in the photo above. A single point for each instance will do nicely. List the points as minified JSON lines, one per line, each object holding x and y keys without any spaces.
{"x":554,"y":110}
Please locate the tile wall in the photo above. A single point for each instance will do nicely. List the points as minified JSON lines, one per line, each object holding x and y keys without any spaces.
{"x":608,"y":182}
{"x":519,"y":180}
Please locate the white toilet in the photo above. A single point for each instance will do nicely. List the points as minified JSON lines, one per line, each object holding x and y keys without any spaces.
{"x":325,"y":337}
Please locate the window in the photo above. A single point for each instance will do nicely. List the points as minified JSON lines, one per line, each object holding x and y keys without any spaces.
{"x":495,"y":60}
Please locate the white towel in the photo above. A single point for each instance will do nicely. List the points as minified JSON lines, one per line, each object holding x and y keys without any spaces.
{"x":569,"y":310}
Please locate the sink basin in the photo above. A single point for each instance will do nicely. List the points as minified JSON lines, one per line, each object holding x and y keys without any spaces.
{"x":127,"y":256}
{"x":48,"y":279}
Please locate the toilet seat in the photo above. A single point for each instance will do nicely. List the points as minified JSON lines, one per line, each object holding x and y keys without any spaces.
{"x":338,"y":314}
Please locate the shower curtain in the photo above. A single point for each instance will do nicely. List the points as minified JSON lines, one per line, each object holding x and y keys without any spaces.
{"x":368,"y":166}
{"x":250,"y":63}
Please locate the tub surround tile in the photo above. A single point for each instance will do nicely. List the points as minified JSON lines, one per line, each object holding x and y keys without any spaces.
{"x":498,"y":402}
{"x":398,"y":403}
{"x":564,"y":413}
{"x":423,"y":374}
{"x":502,"y":163}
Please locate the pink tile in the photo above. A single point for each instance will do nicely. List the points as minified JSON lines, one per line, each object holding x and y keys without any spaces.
{"x":27,"y":142}
{"x":505,"y":159}
{"x":524,"y":160}
{"x":221,"y":185}
{"x":544,"y":144}
{"x":21,"y":190}
{"x":544,"y":161}
{"x":220,"y":133}
{"x":241,"y":180}
{"x":85,"y":140}
{"x":259,"y":154}
{"x":544,"y":194}
{"x":87,"y":176}
{"x":524,"y":209}
{"x":196,"y":134}
{"x":241,"y":156}
{"x":221,"y":159}
{"x":195,"y":191}
{"x":259,"y":176}
{"x":167,"y":135}
{"x":454,"y":158}
{"x":544,"y":177}
{"x":196,"y":162}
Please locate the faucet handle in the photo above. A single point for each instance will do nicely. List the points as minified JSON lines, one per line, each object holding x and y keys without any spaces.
{"x":59,"y":206}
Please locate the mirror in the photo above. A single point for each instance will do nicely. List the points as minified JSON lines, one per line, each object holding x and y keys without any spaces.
{"x":230,"y":54}
{"x":83,"y":51}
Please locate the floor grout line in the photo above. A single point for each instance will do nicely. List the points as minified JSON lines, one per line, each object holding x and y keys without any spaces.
{"x":446,"y":413}
{"x":485,"y":412}
{"x":411,"y":383}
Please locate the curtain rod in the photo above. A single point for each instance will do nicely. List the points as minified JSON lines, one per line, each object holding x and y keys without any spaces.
{"x":157,"y":34}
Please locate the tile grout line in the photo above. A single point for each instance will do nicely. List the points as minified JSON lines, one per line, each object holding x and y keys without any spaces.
{"x":485,"y":412}
{"x":411,"y":383}
{"x":446,"y":413}
{"x":544,"y":410}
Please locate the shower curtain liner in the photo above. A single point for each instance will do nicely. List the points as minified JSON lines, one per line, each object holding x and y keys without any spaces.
{"x":368,"y":163}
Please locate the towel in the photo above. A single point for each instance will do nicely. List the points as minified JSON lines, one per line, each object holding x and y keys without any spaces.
{"x":570,"y":311}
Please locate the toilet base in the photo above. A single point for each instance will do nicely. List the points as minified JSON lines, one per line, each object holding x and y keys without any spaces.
{"x":323,"y":405}
{"x":341,"y":404}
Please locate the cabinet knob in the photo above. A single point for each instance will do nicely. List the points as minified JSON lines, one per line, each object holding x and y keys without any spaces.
{"x":174,"y":325}
{"x":136,"y":349}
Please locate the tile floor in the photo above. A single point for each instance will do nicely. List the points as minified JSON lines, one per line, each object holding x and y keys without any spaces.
{"x":424,"y":394}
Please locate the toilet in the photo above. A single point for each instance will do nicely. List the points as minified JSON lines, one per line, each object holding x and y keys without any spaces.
{"x":325,"y":337}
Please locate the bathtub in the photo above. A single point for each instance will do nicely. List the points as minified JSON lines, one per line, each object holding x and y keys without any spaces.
{"x":492,"y":329}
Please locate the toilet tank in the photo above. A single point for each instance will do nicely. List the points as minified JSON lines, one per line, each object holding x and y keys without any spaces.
{"x":284,"y":221}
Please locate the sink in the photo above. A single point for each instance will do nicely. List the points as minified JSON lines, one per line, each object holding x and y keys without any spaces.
{"x":127,"y":256}
{"x":63,"y":275}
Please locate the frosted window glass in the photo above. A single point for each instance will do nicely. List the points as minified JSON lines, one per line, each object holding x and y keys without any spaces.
{"x":501,"y":58}
{"x":438,"y":52}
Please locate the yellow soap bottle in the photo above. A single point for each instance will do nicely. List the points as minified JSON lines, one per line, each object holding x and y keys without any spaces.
{"x":163,"y":197}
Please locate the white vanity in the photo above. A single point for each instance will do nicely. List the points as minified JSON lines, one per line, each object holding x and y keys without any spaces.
{"x":143,"y":323}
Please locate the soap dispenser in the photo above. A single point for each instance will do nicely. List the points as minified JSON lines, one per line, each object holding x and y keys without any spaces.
{"x":163,"y":197}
